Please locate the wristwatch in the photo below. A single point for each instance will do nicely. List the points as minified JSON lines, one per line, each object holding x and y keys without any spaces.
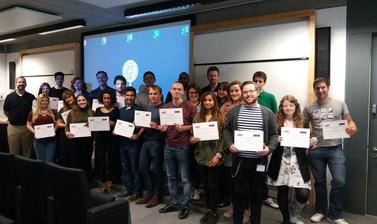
{"x":219,"y":155}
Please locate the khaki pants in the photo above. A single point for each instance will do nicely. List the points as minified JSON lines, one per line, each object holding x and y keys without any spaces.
{"x":20,"y":140}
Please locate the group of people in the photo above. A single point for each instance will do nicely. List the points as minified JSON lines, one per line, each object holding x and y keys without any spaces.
{"x":228,"y":174}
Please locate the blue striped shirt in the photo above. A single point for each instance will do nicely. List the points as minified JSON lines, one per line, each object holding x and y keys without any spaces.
{"x":249,"y":118}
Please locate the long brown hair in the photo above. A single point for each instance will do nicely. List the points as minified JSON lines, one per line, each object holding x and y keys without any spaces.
{"x":214,"y":111}
{"x":298,"y":118}
{"x":75,"y":109}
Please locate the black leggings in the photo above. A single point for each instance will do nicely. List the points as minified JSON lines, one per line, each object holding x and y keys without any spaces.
{"x":302,"y":195}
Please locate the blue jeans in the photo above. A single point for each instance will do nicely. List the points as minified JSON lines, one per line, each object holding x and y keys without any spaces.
{"x":178,"y":159}
{"x":319,"y":159}
{"x":151,"y":153}
{"x":45,"y":149}
{"x":129,"y":155}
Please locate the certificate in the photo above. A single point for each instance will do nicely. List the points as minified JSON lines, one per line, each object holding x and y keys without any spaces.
{"x":143,"y":118}
{"x":44,"y":131}
{"x":54,"y":103}
{"x":96,"y":104}
{"x":124,"y":128}
{"x":65,"y":115}
{"x":295,"y":137}
{"x":100,"y":123}
{"x":60,"y":104}
{"x":171,"y":116}
{"x":334,"y":129}
{"x":206,"y":130}
{"x":79,"y":130}
{"x":251,"y":140}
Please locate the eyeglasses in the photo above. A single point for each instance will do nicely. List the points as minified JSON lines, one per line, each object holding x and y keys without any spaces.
{"x":258,"y":81}
{"x":192,"y":93}
{"x":249,"y":91}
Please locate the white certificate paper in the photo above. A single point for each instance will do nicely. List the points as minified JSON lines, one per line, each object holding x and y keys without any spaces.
{"x":334,"y":129}
{"x":171,"y":116}
{"x":44,"y":131}
{"x":54,"y":103}
{"x":124,"y":128}
{"x":96,"y":104}
{"x":295,"y":137}
{"x":79,"y":130}
{"x":65,"y":115}
{"x":251,"y":140}
{"x":143,"y":118}
{"x":206,"y":130}
{"x":100,"y":123}
{"x":60,"y":104}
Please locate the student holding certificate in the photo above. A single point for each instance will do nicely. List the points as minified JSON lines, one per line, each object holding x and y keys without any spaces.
{"x":69,"y":100}
{"x":42,"y":114}
{"x":80,"y":149}
{"x":208,"y":155}
{"x":106,"y":143}
{"x":289,"y":166}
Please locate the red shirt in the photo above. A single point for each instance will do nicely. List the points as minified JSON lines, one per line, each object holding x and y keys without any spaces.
{"x":41,"y":119}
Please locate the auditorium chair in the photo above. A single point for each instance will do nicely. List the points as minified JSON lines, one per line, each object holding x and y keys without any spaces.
{"x":8,"y":183}
{"x":73,"y":202}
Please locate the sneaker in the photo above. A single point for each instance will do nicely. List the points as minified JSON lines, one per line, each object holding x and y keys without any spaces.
{"x":168,"y":208}
{"x":228,"y":213}
{"x":317,"y":217}
{"x":184,"y":213}
{"x":271,"y":203}
{"x":338,"y":221}
{"x":142,"y":200}
{"x":195,"y":195}
{"x":295,"y":220}
{"x":152,"y":202}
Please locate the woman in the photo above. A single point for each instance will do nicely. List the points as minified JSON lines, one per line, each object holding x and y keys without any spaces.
{"x":78,"y":87}
{"x":289,"y":166}
{"x":193,"y":95}
{"x":106,"y":142}
{"x":235,"y":98}
{"x":120,"y":87}
{"x":69,"y":101}
{"x":222,"y":93}
{"x":41,"y":115}
{"x":208,"y":155}
{"x":44,"y":88}
{"x":80,"y":149}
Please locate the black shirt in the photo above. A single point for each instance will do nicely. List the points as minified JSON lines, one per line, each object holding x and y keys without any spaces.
{"x":18,"y":107}
{"x":208,"y":89}
{"x":54,"y":92}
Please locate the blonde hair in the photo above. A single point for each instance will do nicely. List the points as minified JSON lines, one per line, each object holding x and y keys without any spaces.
{"x":37,"y":109}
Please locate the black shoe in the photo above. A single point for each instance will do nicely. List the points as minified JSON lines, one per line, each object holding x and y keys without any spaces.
{"x":184,"y":213}
{"x":168,"y":208}
{"x":212,"y":219}
{"x":223,"y":203}
{"x":204,"y":219}
{"x":124,"y":194}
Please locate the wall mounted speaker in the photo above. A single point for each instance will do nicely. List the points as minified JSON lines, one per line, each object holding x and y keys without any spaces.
{"x":12,"y":74}
{"x":322,"y":52}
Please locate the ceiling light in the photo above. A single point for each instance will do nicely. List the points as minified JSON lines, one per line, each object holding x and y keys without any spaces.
{"x":7,"y":40}
{"x":60,"y":30}
{"x":70,"y":25}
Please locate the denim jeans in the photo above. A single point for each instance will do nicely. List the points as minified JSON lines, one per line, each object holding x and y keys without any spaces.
{"x":129,"y":155}
{"x":178,"y":159}
{"x":319,"y":159}
{"x":151,"y":153}
{"x":45,"y":149}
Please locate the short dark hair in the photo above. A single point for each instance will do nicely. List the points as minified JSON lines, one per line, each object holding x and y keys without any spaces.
{"x":155,"y":87}
{"x":248,"y":83}
{"x":261,"y":75}
{"x":213,"y":68}
{"x":83,"y":84}
{"x":120,"y":77}
{"x":149,"y":73}
{"x":103,"y":72}
{"x":58,"y":74}
{"x":319,"y":80}
{"x":197,"y":89}
{"x":107,"y":91}
{"x":130,"y":88}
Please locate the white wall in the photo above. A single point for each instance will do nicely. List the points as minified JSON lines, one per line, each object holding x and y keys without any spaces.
{"x":336,"y":19}
{"x":2,"y":72}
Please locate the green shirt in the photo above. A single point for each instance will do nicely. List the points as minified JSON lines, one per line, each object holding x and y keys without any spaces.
{"x":268,"y":100}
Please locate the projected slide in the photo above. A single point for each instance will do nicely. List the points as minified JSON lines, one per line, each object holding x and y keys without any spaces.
{"x":162,"y":49}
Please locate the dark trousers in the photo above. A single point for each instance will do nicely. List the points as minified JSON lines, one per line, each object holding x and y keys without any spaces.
{"x":80,"y":154}
{"x":211,"y":177}
{"x":106,"y":155}
{"x":248,"y":184}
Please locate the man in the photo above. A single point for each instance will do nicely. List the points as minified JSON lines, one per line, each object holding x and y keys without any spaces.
{"x":142,"y":98}
{"x":130,"y":148}
{"x":177,"y":153}
{"x":328,"y":153}
{"x":183,"y":78}
{"x":152,"y":152}
{"x":102,"y":79}
{"x":213,"y":75}
{"x":59,"y":89}
{"x":120,"y":87}
{"x":17,"y":107}
{"x":268,"y":100}
{"x":249,"y":166}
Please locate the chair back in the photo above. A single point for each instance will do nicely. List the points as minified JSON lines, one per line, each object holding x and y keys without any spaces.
{"x":71,"y":194}
{"x":34,"y":192}
{"x":8,"y":183}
